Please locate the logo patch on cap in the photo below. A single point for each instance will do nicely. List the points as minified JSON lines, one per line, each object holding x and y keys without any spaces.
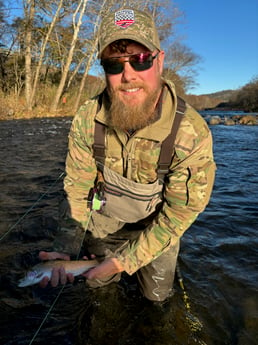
{"x":124,"y":18}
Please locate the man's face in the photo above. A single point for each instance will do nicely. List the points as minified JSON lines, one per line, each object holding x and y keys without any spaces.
{"x":134,"y":94}
{"x":132,"y":87}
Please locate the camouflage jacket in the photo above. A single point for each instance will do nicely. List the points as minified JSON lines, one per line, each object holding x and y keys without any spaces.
{"x":188,"y":186}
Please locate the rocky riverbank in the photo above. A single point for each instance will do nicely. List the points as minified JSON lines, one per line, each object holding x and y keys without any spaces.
{"x":249,"y":120}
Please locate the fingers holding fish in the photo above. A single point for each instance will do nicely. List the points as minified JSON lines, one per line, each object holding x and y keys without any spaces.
{"x":58,"y":276}
{"x":107,"y":268}
{"x":44,"y":282}
{"x":92,"y":256}
{"x":45,"y":256}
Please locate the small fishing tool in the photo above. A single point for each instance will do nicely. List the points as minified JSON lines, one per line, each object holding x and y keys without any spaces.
{"x":96,"y":198}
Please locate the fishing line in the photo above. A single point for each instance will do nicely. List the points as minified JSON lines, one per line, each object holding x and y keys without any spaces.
{"x":32,"y":207}
{"x":46,"y":316}
{"x":62,"y":289}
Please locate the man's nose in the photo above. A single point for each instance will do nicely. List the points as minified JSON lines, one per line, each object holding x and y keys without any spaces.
{"x":128,"y":73}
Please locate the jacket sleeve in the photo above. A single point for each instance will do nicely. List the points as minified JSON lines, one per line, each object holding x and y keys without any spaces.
{"x":80,"y":167}
{"x":80,"y":175}
{"x":187,"y":192}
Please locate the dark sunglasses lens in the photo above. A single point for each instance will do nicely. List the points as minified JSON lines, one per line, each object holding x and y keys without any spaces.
{"x":112,"y":66}
{"x":141,"y":62}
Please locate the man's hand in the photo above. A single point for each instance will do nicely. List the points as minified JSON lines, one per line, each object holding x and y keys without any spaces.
{"x":107,"y":268}
{"x":58,"y":274}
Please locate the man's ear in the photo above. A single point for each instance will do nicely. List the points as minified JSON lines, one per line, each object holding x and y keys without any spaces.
{"x":161,"y":57}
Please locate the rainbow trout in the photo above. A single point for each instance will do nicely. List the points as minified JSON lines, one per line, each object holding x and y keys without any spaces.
{"x":39,"y":271}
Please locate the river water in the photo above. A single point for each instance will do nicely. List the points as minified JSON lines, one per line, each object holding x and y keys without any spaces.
{"x":218,"y":258}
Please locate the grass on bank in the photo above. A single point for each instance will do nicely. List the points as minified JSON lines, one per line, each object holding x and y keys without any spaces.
{"x":13,"y":106}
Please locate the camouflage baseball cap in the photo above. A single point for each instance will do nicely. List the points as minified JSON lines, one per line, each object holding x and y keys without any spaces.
{"x":128,"y":24}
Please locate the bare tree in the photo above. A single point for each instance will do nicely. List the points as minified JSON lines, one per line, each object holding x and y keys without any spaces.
{"x":29,"y":14}
{"x":180,"y":63}
{"x":43,"y":49}
{"x":79,"y":12}
{"x":85,"y":74}
{"x":92,"y":53}
{"x":3,"y":22}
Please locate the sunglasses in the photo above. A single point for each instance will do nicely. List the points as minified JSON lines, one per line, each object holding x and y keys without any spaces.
{"x":139,"y":62}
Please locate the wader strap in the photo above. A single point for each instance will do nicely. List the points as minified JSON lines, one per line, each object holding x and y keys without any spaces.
{"x":99,"y":144}
{"x":167,"y":145}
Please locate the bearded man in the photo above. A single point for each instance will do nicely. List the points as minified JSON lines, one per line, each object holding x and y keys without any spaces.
{"x":132,"y":208}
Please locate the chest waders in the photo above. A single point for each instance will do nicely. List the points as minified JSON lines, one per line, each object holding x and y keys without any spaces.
{"x":123,"y":201}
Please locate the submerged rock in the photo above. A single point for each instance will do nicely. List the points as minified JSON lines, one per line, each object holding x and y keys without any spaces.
{"x":248,"y":120}
{"x":215,"y":120}
{"x":229,"y":121}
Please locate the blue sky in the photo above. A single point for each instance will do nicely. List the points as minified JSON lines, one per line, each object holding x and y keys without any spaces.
{"x":225,"y":34}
